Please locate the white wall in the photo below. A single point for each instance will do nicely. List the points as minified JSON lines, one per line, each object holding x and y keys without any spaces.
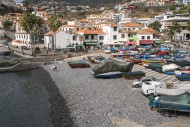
{"x":139,"y":36}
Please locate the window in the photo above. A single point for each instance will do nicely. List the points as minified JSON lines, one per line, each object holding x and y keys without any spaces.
{"x":92,"y":36}
{"x":101,"y":37}
{"x":81,"y":38}
{"x":142,"y":37}
{"x":130,"y":35}
{"x":86,"y":37}
{"x":115,"y":29}
{"x":114,"y":37}
{"x":74,"y":38}
{"x":148,"y":37}
{"x":122,"y":35}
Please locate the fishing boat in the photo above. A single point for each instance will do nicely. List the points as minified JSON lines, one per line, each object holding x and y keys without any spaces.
{"x":11,"y":67}
{"x":78,"y":64}
{"x":111,"y":67}
{"x":136,"y":60}
{"x":133,"y":75}
{"x":183,"y":77}
{"x":149,"y":61}
{"x":98,"y":59}
{"x":172,"y":103}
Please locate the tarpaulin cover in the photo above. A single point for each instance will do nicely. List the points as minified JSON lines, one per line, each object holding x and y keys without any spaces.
{"x":174,"y":102}
{"x":111,"y":65}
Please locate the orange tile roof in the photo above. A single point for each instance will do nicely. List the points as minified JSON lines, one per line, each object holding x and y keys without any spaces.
{"x":148,"y":31}
{"x":87,"y":31}
{"x":130,"y":24}
{"x":111,"y":24}
{"x":129,"y":31}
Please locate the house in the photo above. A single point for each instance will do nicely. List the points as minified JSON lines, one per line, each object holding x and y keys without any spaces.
{"x":111,"y":33}
{"x":92,"y":38}
{"x":22,"y":38}
{"x":146,"y":21}
{"x":131,"y":26}
{"x":182,"y":20}
{"x":147,"y":36}
{"x":62,"y":39}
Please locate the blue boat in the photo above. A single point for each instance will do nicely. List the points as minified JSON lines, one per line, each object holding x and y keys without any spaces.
{"x":171,"y":102}
{"x":183,"y":77}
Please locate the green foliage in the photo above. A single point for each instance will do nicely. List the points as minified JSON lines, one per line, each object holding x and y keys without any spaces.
{"x":32,"y":24}
{"x":172,"y":8}
{"x":183,"y":9}
{"x":7,"y":24}
{"x":175,"y":28}
{"x":155,"y":25}
{"x":54,"y":23}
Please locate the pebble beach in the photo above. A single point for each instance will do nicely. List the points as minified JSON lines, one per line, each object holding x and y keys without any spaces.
{"x":95,"y":102}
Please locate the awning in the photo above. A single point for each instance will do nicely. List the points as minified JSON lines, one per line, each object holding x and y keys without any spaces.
{"x":91,"y":43}
{"x":146,"y":42}
{"x":130,"y":43}
{"x":81,"y":45}
{"x":158,"y":41}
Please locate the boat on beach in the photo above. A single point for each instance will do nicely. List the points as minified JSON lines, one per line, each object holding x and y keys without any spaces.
{"x":78,"y":64}
{"x":11,"y":67}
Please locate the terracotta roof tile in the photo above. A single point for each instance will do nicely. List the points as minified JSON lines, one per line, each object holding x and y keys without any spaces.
{"x":130,"y":24}
{"x":87,"y":31}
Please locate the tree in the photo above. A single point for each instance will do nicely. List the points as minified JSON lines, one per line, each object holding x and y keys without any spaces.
{"x":172,"y":8}
{"x":176,"y":28}
{"x":155,"y":25}
{"x":54,"y":24}
{"x":32,"y":24}
{"x":7,"y":24}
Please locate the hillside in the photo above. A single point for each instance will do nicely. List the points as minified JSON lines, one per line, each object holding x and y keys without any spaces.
{"x":83,"y":2}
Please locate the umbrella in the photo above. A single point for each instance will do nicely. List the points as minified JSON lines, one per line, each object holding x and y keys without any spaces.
{"x":130,"y":43}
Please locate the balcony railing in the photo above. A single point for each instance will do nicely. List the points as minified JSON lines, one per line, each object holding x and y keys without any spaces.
{"x":90,"y":40}
{"x":171,"y":24}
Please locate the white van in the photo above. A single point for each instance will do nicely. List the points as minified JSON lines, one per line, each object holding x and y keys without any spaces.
{"x":149,"y":88}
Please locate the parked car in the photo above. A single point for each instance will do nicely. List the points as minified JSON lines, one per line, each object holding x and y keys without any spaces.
{"x":138,"y":82}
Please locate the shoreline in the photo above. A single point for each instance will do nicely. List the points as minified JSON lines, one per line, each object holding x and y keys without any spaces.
{"x":59,"y":112}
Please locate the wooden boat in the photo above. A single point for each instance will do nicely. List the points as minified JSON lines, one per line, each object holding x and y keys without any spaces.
{"x":149,"y":61}
{"x":109,"y":75}
{"x":98,"y":59}
{"x":136,"y":60}
{"x":162,"y":53}
{"x":169,"y":67}
{"x":11,"y":67}
{"x":112,"y":65}
{"x":183,"y":77}
{"x":133,"y":75}
{"x":172,"y":103}
{"x":78,"y":64}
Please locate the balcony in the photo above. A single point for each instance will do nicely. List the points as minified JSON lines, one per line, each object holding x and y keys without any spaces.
{"x":171,"y":24}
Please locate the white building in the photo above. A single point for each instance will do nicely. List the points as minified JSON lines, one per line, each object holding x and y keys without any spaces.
{"x":61,"y":40}
{"x":112,"y":33}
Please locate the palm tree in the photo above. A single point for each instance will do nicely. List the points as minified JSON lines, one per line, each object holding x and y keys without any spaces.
{"x":31,"y":24}
{"x":54,"y":24}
